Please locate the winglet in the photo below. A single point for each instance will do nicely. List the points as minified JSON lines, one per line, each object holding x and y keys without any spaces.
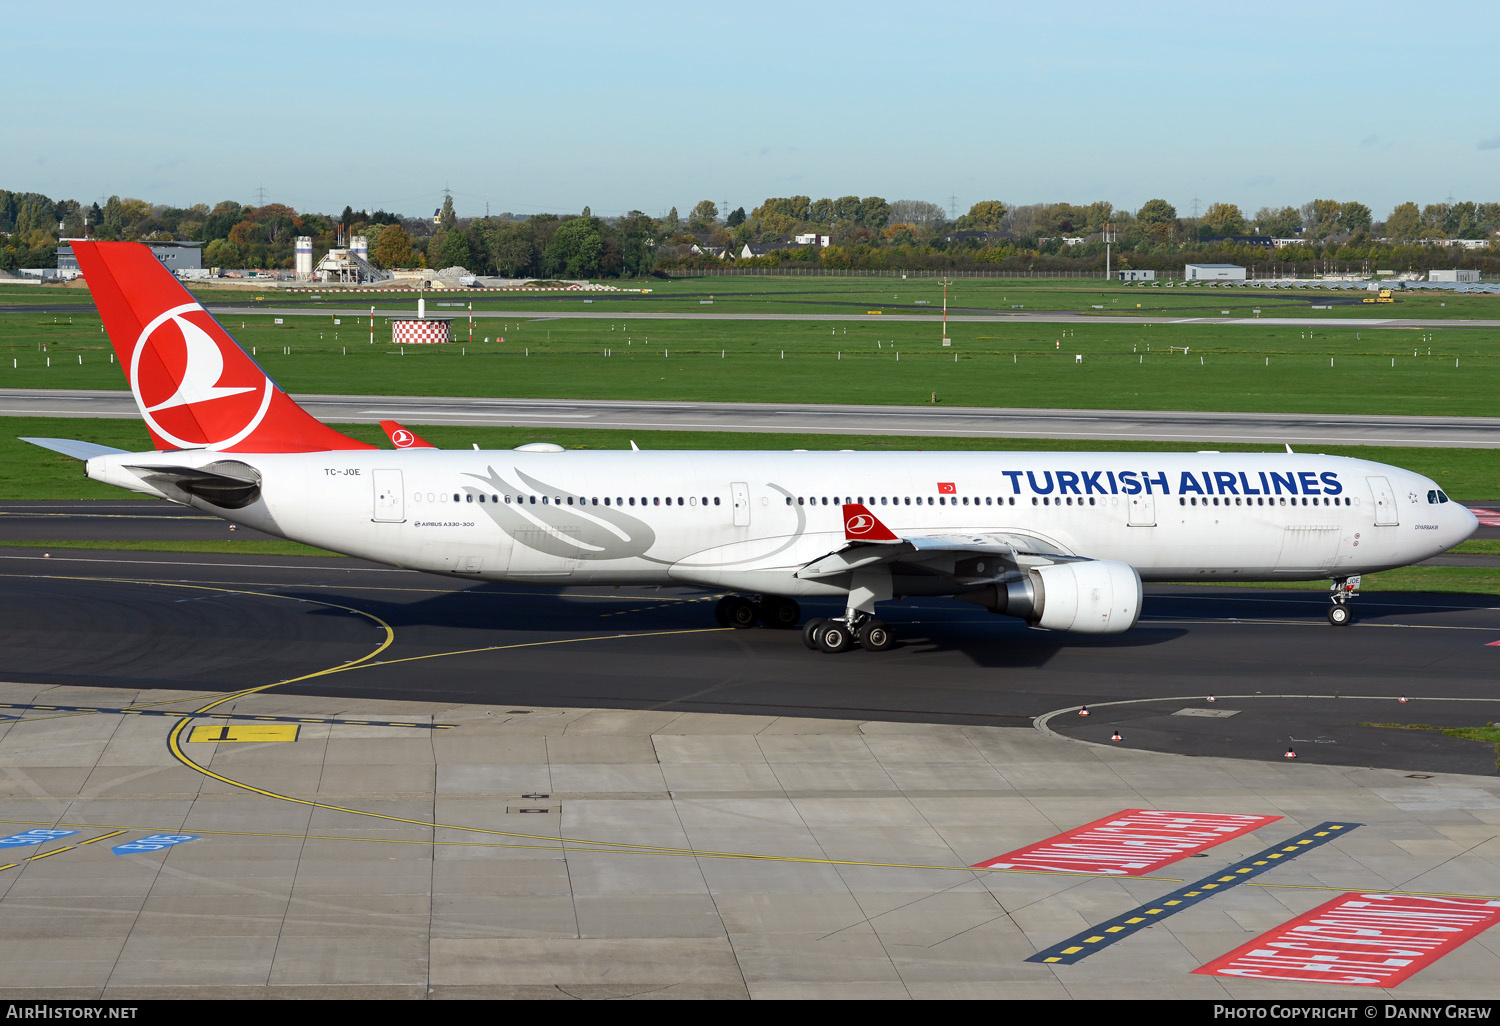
{"x":862,"y":525}
{"x":404,"y":438}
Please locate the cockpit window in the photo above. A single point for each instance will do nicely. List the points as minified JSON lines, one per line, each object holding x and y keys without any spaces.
{"x":1442,"y":497}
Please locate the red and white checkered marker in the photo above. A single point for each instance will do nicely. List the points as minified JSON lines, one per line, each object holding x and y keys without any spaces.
{"x":1083,"y":711}
{"x":418,"y":333}
{"x":1289,"y":754}
{"x":1487,"y":517}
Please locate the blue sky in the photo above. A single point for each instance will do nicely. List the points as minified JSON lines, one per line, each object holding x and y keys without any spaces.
{"x":547,"y":107}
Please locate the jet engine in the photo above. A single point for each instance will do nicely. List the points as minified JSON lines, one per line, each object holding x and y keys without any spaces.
{"x":1088,"y":597}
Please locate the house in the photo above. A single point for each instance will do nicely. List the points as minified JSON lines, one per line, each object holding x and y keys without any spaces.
{"x":968,"y":236}
{"x":811,"y":239}
{"x":760,"y":249}
{"x":1264,"y":241}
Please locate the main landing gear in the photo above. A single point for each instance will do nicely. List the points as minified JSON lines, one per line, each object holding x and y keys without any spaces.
{"x":843,"y":633}
{"x":1340,"y":592}
{"x":836,"y":634}
{"x":773,"y":611}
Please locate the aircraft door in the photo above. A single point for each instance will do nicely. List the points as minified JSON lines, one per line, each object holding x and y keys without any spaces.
{"x":741,"y":499}
{"x":390,"y":502}
{"x":1385,"y":502}
{"x":1142,"y":511}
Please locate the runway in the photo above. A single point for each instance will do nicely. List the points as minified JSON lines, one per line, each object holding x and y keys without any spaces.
{"x":1301,"y":430}
{"x":332,"y":779}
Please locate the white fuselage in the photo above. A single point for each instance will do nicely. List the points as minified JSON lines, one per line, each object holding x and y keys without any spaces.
{"x":749,"y":520}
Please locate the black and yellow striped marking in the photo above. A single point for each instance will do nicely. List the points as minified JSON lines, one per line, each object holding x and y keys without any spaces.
{"x":245,"y":733}
{"x":59,"y":851}
{"x":176,"y":714}
{"x":1082,"y":945}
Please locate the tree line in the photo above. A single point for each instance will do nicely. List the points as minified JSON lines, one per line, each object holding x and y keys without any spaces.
{"x":862,"y":232}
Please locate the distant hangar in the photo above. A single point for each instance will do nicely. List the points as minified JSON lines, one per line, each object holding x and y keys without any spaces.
{"x":1214,"y":272}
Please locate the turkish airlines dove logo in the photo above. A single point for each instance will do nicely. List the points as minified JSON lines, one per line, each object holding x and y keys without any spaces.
{"x":859,"y":523}
{"x":202,"y":372}
{"x":403,"y":438}
{"x":186,"y":393}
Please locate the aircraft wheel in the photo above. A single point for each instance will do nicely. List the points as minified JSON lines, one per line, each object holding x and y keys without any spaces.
{"x":1340,"y":615}
{"x":812,"y":631}
{"x":739,"y":612}
{"x":875,"y":636}
{"x":780,"y":613}
{"x":721,"y":610}
{"x":835,"y":637}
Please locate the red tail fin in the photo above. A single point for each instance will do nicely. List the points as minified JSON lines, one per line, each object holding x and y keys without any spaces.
{"x":404,"y":438}
{"x":861,"y":525}
{"x":195,"y":387}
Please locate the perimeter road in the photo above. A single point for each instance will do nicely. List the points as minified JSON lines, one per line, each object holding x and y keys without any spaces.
{"x":977,"y":422}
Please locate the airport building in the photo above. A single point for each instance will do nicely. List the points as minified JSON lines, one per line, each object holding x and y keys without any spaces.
{"x":1214,"y":272}
{"x":177,"y":256}
{"x":1453,"y":275}
{"x":1135,"y":275}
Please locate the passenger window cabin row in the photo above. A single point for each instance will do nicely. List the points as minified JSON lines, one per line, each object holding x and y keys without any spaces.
{"x":567,"y":500}
{"x":883,"y":500}
{"x":1261,"y":500}
{"x":902,"y":500}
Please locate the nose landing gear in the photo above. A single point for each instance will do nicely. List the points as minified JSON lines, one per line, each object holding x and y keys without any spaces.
{"x":1340,"y":592}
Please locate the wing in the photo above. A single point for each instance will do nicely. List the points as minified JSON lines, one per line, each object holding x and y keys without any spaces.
{"x":968,"y":559}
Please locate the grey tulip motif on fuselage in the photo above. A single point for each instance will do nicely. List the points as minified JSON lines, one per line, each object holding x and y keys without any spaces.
{"x":603,"y":532}
{"x":591,"y":532}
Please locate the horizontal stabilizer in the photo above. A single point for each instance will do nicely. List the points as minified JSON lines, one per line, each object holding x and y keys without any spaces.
{"x":74,"y":448}
{"x":234,"y":490}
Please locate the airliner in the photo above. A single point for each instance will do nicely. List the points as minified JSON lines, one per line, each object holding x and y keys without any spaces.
{"x":1062,"y":540}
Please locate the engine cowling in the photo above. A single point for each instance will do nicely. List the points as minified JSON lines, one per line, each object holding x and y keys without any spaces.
{"x":1096,"y":597}
{"x":1092,"y":597}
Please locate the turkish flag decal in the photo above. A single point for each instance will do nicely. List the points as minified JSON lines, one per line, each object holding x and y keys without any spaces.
{"x":947,"y":488}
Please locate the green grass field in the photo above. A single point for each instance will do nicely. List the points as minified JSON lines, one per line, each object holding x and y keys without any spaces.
{"x":227,"y":546}
{"x":1308,"y":370}
{"x":1338,"y":368}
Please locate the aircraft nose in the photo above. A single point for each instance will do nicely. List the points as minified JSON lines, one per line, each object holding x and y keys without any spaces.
{"x":1465,"y":523}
